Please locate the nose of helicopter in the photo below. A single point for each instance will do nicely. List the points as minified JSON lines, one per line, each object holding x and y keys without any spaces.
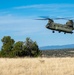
{"x":47,"y":26}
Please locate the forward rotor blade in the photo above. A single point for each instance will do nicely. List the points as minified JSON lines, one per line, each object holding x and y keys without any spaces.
{"x":41,"y":19}
{"x":45,"y":17}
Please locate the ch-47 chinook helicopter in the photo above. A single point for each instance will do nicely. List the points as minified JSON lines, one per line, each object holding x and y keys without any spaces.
{"x":66,"y":28}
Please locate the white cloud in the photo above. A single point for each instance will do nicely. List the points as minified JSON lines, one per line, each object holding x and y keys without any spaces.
{"x":20,"y":26}
{"x":30,"y":6}
{"x":49,"y":9}
{"x":43,"y":6}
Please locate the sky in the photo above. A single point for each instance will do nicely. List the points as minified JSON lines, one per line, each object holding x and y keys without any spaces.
{"x":17,"y":19}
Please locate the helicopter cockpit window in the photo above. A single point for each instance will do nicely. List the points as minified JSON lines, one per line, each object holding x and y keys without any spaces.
{"x":48,"y":23}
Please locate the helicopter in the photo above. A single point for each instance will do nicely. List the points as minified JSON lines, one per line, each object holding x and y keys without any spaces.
{"x":66,"y":28}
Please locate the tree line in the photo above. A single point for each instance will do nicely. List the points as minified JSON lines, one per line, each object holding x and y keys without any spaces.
{"x":10,"y":48}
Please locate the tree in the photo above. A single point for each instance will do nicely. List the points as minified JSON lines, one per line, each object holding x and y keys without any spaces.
{"x":0,"y":53}
{"x":18,"y":49}
{"x":32,"y":48}
{"x":35,"y":50}
{"x":8,"y":43}
{"x":28,"y":45}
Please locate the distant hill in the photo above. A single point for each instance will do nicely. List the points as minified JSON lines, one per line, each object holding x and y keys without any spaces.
{"x":57,"y":47}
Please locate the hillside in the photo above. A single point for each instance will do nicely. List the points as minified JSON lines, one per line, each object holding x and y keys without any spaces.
{"x":57,"y":47}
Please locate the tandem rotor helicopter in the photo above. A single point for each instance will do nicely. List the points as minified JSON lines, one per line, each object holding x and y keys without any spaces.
{"x":66,"y":28}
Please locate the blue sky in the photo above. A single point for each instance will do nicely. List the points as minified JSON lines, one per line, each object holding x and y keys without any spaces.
{"x":17,"y":20}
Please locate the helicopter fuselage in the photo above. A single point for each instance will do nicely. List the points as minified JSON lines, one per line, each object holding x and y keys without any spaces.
{"x":59,"y":27}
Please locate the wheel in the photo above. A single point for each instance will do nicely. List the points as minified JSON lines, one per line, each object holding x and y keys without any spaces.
{"x":53,"y":31}
{"x":59,"y":31}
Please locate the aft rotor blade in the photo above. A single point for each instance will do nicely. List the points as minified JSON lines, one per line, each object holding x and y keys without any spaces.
{"x":65,"y":18}
{"x":60,"y":18}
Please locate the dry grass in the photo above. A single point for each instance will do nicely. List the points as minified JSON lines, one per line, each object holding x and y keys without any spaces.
{"x":37,"y":66}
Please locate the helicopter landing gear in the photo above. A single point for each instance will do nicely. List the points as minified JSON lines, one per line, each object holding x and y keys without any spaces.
{"x":64,"y":32}
{"x":59,"y":31}
{"x":53,"y":31}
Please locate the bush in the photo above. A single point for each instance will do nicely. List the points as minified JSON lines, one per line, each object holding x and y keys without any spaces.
{"x":19,"y":49}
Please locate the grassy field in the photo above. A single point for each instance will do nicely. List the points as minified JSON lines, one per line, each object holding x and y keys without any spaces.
{"x":37,"y":66}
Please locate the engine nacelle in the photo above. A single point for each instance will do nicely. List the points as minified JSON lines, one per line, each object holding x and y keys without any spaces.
{"x":70,"y":23}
